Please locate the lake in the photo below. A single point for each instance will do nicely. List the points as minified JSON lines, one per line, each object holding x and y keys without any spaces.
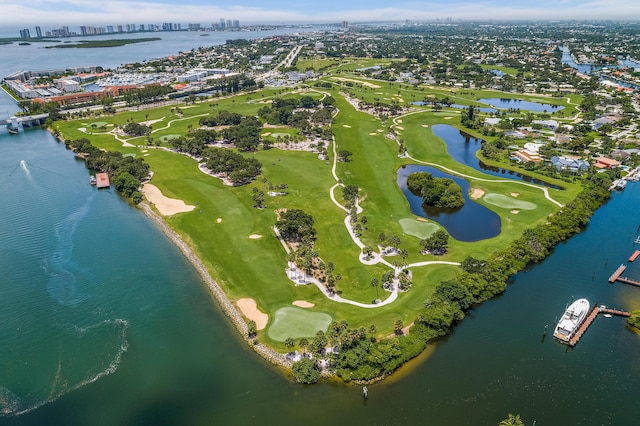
{"x":471,"y":222}
{"x":519,"y":104}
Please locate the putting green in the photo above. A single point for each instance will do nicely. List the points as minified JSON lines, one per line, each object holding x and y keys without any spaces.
{"x":279,"y":134}
{"x":98,"y":124}
{"x":417,"y":229}
{"x":166,"y":138}
{"x":297,"y":322}
{"x":505,"y":202}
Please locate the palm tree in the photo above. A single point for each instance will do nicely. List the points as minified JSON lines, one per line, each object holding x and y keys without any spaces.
{"x":289,"y":343}
{"x":374,"y":283}
{"x":303,"y":343}
{"x":512,"y":420}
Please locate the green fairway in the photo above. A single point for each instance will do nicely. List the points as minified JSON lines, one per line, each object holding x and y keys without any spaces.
{"x":297,"y":322}
{"x":167,"y":138}
{"x":505,"y":202}
{"x":96,"y":124}
{"x":417,"y":229}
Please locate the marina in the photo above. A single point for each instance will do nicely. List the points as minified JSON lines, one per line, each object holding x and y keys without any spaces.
{"x":590,"y":318}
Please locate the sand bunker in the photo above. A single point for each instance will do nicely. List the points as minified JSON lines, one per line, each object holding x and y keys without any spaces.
{"x":264,"y":135}
{"x":303,"y":304}
{"x":250,"y":310}
{"x":476,"y":193}
{"x":380,"y":130}
{"x":372,"y":134}
{"x":399,"y":120}
{"x":399,"y":127}
{"x":364,"y":83}
{"x":150,"y":122}
{"x":515,"y":194}
{"x":425,"y":125}
{"x":346,"y":125}
{"x":515,"y":211}
{"x":219,"y":220}
{"x":255,"y":236}
{"x":448,"y":118}
{"x":145,"y":150}
{"x":165,"y":205}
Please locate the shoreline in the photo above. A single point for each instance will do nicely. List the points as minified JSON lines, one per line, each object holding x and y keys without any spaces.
{"x":225,"y":304}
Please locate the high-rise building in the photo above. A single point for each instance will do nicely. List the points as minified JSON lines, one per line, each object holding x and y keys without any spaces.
{"x":151,"y":27}
{"x":229,"y":23}
{"x":39,"y":32}
{"x":236,"y":23}
{"x":141,"y":27}
{"x":222,"y":24}
{"x":83,"y":30}
{"x":25,"y":33}
{"x":109,"y":28}
{"x":119,"y":28}
{"x":345,"y":24}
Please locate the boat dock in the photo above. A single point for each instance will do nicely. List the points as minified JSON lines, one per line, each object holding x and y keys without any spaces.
{"x":589,"y":320}
{"x":634,"y":256}
{"x":613,"y":278}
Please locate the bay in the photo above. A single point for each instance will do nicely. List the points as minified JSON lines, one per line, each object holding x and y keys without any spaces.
{"x":84,"y":276}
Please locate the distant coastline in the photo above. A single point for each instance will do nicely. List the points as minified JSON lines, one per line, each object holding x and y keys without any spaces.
{"x":90,"y":44}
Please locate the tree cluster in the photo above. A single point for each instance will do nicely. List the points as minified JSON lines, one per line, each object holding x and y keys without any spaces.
{"x":239,"y":169}
{"x":295,"y":225}
{"x":436,"y":192}
{"x":136,"y":129}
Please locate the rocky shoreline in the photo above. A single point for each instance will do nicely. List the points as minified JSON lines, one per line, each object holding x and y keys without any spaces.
{"x":227,"y":307}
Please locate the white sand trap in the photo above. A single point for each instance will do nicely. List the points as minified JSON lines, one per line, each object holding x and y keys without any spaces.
{"x":264,"y":135}
{"x":255,"y":236}
{"x":145,"y":155}
{"x":346,"y":125}
{"x":380,"y":130}
{"x":476,"y":193}
{"x":303,"y":304}
{"x":425,"y":125}
{"x":165,"y":205}
{"x":379,"y":93}
{"x":372,"y":134}
{"x":219,"y":220}
{"x":399,"y":127}
{"x":150,"y":122}
{"x":448,"y":118}
{"x":515,"y":194}
{"x":250,"y":310}
{"x":110,"y":125}
{"x":399,"y":120}
{"x":145,"y":150}
{"x":364,"y":83}
{"x":515,"y":211}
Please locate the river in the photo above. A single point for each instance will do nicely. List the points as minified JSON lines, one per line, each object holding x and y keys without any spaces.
{"x":105,"y":322}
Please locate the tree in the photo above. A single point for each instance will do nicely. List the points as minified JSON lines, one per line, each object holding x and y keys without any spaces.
{"x":436,"y":243}
{"x":303,"y":343}
{"x":306,"y":371}
{"x":397,"y":327}
{"x":295,"y":224}
{"x":374,"y":283}
{"x":344,"y":156}
{"x":251,"y":329}
{"x":512,"y":420}
{"x":289,"y":343}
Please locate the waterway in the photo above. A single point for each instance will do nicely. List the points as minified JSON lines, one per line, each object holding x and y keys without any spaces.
{"x":471,"y":222}
{"x":463,"y":147}
{"x":104,"y":322}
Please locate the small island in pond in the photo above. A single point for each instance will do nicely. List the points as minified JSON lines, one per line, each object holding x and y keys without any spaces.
{"x":436,"y":192}
{"x":104,"y":43}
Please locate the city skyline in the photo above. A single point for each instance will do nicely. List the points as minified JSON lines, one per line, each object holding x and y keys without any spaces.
{"x":77,"y":12}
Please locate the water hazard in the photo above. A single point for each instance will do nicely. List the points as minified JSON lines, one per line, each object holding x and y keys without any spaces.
{"x":471,"y":222}
{"x":463,"y":147}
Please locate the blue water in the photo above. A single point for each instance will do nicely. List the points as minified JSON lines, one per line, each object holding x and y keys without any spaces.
{"x":463,"y":147}
{"x":518,"y":104}
{"x":128,"y":334}
{"x":471,"y":222}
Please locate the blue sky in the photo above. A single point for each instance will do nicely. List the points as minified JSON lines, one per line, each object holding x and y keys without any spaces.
{"x":105,"y":12}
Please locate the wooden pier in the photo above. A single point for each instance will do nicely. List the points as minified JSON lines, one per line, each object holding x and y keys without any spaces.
{"x":613,"y":278}
{"x":634,"y":256}
{"x":590,"y":318}
{"x":628,"y":281}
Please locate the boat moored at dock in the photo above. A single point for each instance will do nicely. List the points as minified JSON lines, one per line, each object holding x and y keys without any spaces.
{"x":573,"y":316}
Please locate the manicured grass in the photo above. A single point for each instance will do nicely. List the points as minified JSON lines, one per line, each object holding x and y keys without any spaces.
{"x":417,"y":229}
{"x":256,"y":268}
{"x":297,"y":322}
{"x":505,"y":202}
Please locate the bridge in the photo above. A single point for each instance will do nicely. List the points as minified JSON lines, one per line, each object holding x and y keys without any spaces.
{"x":13,"y":123}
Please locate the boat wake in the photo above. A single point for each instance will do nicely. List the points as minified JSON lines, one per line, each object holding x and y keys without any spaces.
{"x":62,"y":381}
{"x":63,"y":282}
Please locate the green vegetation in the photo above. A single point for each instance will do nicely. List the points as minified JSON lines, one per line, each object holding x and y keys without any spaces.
{"x":292,"y":322}
{"x":634,"y":319}
{"x":436,"y":192}
{"x":306,"y":371}
{"x":104,"y":43}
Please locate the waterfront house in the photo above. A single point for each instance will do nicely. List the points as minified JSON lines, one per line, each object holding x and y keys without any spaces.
{"x":605,"y":163}
{"x":572,"y":164}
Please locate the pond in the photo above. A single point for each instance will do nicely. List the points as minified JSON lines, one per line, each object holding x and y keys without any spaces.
{"x":471,"y":222}
{"x":462,"y":147}
{"x":519,"y":104}
{"x":478,"y":108}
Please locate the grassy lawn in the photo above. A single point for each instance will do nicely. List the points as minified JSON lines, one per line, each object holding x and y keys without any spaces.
{"x":218,"y":229}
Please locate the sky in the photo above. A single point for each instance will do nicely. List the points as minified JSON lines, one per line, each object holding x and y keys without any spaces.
{"x":113,"y":12}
